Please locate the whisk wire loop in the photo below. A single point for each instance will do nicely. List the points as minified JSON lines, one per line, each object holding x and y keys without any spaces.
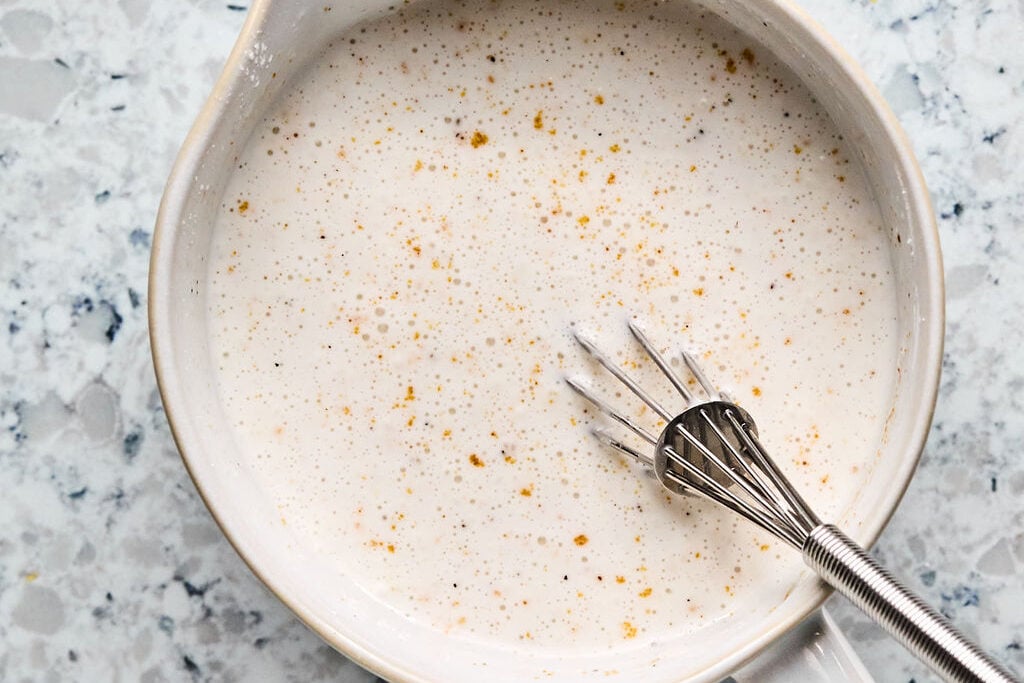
{"x":605,"y":408}
{"x":755,"y":496}
{"x":701,"y":378}
{"x":756,"y":480}
{"x":804,"y":515}
{"x":608,"y":440}
{"x":765,"y":477}
{"x":620,"y":375}
{"x":760,"y":515}
{"x":659,"y":360}
{"x":717,"y":493}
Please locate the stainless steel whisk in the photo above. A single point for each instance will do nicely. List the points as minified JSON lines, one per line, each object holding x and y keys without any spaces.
{"x":711,"y":450}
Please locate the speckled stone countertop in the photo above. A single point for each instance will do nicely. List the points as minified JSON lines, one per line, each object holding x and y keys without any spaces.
{"x":110,"y":566}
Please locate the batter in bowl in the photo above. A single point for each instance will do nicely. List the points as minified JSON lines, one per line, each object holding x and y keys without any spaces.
{"x":411,"y":235}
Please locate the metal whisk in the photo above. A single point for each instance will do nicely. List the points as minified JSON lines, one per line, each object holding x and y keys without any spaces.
{"x":711,"y":450}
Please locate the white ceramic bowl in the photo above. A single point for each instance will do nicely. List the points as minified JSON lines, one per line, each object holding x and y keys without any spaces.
{"x":280,"y":37}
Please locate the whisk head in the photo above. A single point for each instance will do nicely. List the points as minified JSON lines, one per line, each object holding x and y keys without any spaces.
{"x":710,"y":449}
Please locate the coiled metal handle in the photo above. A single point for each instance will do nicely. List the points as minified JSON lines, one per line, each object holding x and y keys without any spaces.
{"x":927,"y":634}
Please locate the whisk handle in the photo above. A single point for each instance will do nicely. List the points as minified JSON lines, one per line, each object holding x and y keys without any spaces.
{"x":927,"y":634}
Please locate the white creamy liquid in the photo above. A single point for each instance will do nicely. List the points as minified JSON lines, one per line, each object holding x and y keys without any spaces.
{"x":413,"y":232}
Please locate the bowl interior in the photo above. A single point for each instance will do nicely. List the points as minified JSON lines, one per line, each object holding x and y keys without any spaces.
{"x":277,"y":42}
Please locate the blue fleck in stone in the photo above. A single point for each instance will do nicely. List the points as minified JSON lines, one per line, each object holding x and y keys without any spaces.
{"x":115,"y":321}
{"x":139,"y":238}
{"x":963,"y":595}
{"x":132,"y":443}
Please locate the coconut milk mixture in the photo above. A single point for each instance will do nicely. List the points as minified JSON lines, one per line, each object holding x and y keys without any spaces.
{"x":412,"y":233}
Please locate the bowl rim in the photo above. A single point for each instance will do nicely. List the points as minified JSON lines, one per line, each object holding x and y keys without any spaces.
{"x":189,"y":159}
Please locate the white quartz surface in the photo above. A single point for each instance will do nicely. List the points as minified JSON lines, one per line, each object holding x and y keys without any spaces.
{"x":110,"y":566}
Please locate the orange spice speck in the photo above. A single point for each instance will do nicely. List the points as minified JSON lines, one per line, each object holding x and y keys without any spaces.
{"x":756,"y":391}
{"x":478,"y":139}
{"x":699,"y":291}
{"x":581,"y":540}
{"x":620,"y":579}
{"x":628,"y":630}
{"x":475,"y":460}
{"x":645,"y":593}
{"x":614,"y":148}
{"x":598,"y":99}
{"x":243,"y":206}
{"x":538,"y":121}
